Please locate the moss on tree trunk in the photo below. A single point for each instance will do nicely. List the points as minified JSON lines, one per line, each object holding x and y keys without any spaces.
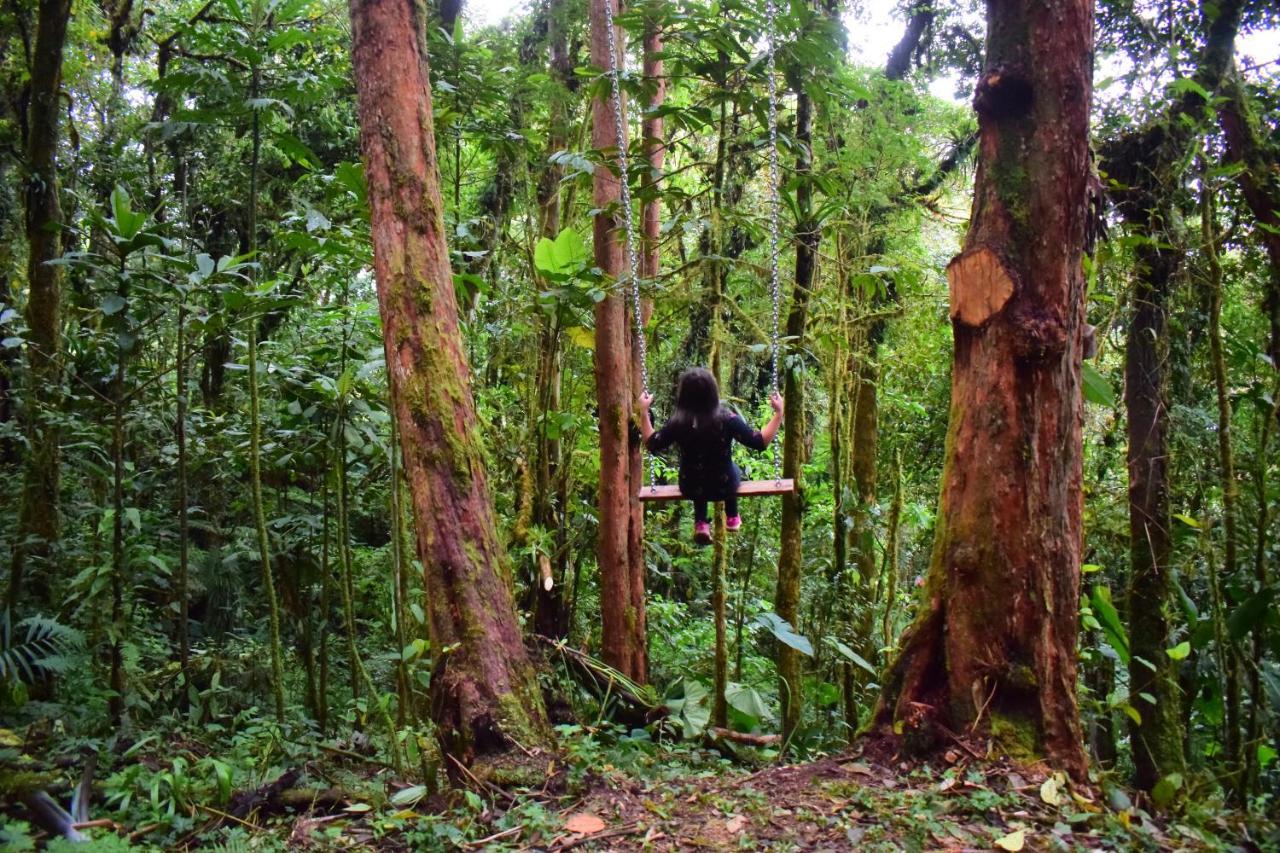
{"x":484,"y":694}
{"x":791,"y":550}
{"x":38,"y":512}
{"x":993,"y":646}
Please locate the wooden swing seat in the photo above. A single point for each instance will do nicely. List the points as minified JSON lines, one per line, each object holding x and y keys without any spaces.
{"x":748,"y":489}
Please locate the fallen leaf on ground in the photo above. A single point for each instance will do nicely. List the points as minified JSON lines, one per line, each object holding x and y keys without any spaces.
{"x":947,"y":784}
{"x":583,"y":823}
{"x":1013,"y":841}
{"x":735,"y":823}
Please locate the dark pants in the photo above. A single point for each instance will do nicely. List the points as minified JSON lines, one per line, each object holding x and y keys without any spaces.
{"x":721,"y":488}
{"x":700,"y":512}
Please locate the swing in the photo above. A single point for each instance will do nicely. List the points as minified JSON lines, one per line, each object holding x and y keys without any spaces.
{"x":748,"y":488}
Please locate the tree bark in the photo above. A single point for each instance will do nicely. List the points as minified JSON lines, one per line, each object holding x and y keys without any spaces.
{"x":1260,"y":188}
{"x":1237,"y":761}
{"x":1261,"y":191}
{"x":38,"y":513}
{"x":1148,"y":166}
{"x":620,"y":539}
{"x":993,"y":646}
{"x":791,"y":555}
{"x":650,"y":260}
{"x":899,"y":62}
{"x":484,"y":695}
{"x":549,"y":477}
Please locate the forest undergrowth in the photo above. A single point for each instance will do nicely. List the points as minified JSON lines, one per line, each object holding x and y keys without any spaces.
{"x":614,"y":789}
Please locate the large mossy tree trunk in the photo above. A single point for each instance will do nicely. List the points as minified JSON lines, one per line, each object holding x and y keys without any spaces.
{"x":620,"y":540}
{"x":786,"y":600}
{"x":484,"y":694}
{"x":38,"y":511}
{"x":1146,"y":166}
{"x":994,"y":645}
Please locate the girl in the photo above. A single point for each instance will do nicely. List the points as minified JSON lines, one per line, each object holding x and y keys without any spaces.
{"x":705,"y":432}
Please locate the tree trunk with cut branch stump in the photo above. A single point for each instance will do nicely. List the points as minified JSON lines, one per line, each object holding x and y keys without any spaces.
{"x":994,"y":646}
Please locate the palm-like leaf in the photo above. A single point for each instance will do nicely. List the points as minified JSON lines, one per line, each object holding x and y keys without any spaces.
{"x":34,"y":647}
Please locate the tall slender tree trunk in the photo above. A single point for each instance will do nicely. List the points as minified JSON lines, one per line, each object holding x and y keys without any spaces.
{"x":550,"y":510}
{"x":38,"y":511}
{"x":786,"y":600}
{"x":255,"y":434}
{"x":184,"y":510}
{"x":119,"y":628}
{"x":993,"y":646}
{"x":1157,"y":742}
{"x":1226,"y":456}
{"x":1148,"y":166}
{"x":650,"y":261}
{"x":1246,"y":145}
{"x":620,"y":537}
{"x":484,"y":694}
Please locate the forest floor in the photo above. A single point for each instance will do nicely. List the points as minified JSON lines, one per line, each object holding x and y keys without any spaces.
{"x":612,"y":791}
{"x":852,"y":802}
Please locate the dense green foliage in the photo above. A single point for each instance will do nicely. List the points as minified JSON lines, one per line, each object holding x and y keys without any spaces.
{"x":186,"y":122}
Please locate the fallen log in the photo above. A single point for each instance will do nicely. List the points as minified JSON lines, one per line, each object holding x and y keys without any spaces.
{"x":744,"y":737}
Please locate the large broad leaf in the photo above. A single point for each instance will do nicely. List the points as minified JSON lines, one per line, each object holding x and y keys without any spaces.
{"x":1250,"y":614}
{"x":1096,"y":387}
{"x":562,"y":256}
{"x":782,"y":629}
{"x":686,"y":701}
{"x":126,"y":222}
{"x":852,"y":656}
{"x":748,"y":703}
{"x":1109,"y":619}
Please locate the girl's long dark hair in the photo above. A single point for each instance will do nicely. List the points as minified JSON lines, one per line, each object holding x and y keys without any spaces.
{"x":698,"y":401}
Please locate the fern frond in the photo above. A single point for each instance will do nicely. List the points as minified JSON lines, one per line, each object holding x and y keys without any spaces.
{"x":35,"y":647}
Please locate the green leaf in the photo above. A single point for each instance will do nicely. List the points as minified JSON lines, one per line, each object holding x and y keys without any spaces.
{"x":1180,"y":651}
{"x":409,"y":796}
{"x":316,"y":221}
{"x":852,"y":656}
{"x":1109,"y":618}
{"x":747,"y":702}
{"x":113,"y":303}
{"x":584,"y":338}
{"x":562,"y":256}
{"x":205,"y":265}
{"x":1249,"y":615}
{"x":1185,"y":84}
{"x":1096,"y":388}
{"x":1166,"y":790}
{"x":782,"y":630}
{"x":687,"y":703}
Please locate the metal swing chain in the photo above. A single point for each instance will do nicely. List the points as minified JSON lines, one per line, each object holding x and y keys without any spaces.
{"x":774,"y":203}
{"x":624,"y":167}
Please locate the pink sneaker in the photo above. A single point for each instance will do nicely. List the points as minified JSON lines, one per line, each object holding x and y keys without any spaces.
{"x":702,"y":533}
{"x":733,"y":523}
